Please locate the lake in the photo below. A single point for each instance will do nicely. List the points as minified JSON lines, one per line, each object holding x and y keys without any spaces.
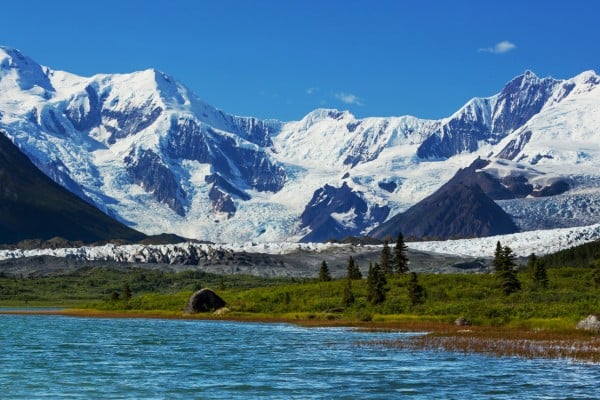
{"x":47,"y":356}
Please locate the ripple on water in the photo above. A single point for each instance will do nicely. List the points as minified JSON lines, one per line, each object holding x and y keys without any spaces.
{"x":144,"y":358}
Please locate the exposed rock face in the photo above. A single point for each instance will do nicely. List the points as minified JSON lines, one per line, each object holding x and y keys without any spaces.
{"x":462,"y":321}
{"x":491,"y":119}
{"x":149,"y":171}
{"x":204,"y":300}
{"x":221,"y":202}
{"x":250,"y":166}
{"x":336,"y":213}
{"x":454,"y":211}
{"x":590,"y":323}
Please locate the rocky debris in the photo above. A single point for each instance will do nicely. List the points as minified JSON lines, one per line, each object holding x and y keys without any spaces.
{"x":590,"y":323}
{"x":462,"y":321}
{"x":215,"y":259}
{"x":204,"y":300}
{"x":222,"y":311}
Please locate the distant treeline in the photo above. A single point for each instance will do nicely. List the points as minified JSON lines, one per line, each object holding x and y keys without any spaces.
{"x":585,"y":255}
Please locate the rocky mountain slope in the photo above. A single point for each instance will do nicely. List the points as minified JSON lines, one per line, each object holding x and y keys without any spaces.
{"x":34,"y":207}
{"x":461,"y":208}
{"x":144,"y":149}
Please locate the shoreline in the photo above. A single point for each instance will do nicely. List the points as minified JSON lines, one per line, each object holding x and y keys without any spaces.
{"x":574,"y":345}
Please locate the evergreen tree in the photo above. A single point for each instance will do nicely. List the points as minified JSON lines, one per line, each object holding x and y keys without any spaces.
{"x":353,"y":270}
{"x":348,"y":296}
{"x":416,"y":292}
{"x":376,"y":284}
{"x":126,"y":292}
{"x":505,"y":264}
{"x":324,"y":275}
{"x":596,"y":273}
{"x":499,"y":263}
{"x":385,"y":261}
{"x":400,"y":261}
{"x":539,"y":275}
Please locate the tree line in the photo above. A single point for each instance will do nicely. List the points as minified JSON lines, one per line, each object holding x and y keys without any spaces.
{"x":390,"y":263}
{"x":395,"y":262}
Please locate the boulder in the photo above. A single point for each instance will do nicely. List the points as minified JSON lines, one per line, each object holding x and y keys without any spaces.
{"x":590,"y":323}
{"x":204,"y":300}
{"x":462,"y":321}
{"x":222,"y":311}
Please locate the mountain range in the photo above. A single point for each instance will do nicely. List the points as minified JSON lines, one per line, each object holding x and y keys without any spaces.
{"x":149,"y":153}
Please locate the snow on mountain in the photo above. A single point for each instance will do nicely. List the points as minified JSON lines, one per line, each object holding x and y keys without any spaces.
{"x":523,"y":244}
{"x":144,"y":149}
{"x":539,"y":242}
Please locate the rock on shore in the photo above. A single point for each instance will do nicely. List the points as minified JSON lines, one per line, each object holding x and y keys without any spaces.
{"x":204,"y":300}
{"x":590,"y":323}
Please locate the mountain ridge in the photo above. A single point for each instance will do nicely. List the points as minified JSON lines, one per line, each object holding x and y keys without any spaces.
{"x":144,"y":149}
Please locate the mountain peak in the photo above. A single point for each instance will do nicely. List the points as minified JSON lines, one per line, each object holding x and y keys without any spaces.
{"x":588,"y":77}
{"x":321,"y":114}
{"x":18,"y":69}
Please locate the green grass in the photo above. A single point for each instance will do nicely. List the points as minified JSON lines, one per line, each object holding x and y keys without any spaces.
{"x":96,"y":284}
{"x":572,"y":295}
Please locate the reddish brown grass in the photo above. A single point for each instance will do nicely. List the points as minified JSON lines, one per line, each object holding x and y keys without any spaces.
{"x":497,"y":341}
{"x":504,"y":342}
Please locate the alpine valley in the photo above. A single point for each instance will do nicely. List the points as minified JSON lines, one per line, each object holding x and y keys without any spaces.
{"x":146,"y":151}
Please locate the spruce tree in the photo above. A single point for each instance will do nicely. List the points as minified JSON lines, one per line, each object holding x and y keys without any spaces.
{"x":324,"y":275}
{"x":376,"y":284}
{"x":508,"y":277}
{"x":400,"y":261}
{"x":499,"y":263}
{"x":538,"y":272}
{"x":385,"y":261}
{"x":126,"y":292}
{"x":348,"y":296}
{"x":416,"y":292}
{"x":596,"y":273}
{"x":353,"y":270}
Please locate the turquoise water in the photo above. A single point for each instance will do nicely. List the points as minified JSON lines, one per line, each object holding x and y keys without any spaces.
{"x":61,"y":357}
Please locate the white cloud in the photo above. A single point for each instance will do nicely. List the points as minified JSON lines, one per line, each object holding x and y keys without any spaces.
{"x":312,"y":90}
{"x":349,"y":98}
{"x":501,"y":47}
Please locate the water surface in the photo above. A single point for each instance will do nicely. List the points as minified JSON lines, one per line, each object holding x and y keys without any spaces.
{"x":49,"y":356}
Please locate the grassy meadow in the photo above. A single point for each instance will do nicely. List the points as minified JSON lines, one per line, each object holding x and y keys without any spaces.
{"x":571,"y":295}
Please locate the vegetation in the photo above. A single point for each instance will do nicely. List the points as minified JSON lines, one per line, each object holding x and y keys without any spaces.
{"x":416,"y":292}
{"x":99,"y":283}
{"x":348,"y":297}
{"x":571,"y":295}
{"x":324,"y":275}
{"x":385,"y":261}
{"x":539,"y":275}
{"x":557,"y":299}
{"x":584,"y":255}
{"x":376,"y":284}
{"x":400,"y":260}
{"x":504,"y":265}
{"x":353,"y":270}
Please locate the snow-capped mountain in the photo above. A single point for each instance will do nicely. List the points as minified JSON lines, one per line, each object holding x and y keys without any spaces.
{"x":144,"y":149}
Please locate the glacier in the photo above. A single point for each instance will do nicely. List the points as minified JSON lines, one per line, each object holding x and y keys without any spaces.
{"x":144,"y":149}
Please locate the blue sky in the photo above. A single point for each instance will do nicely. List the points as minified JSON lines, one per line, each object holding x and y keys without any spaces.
{"x":281,"y":59}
